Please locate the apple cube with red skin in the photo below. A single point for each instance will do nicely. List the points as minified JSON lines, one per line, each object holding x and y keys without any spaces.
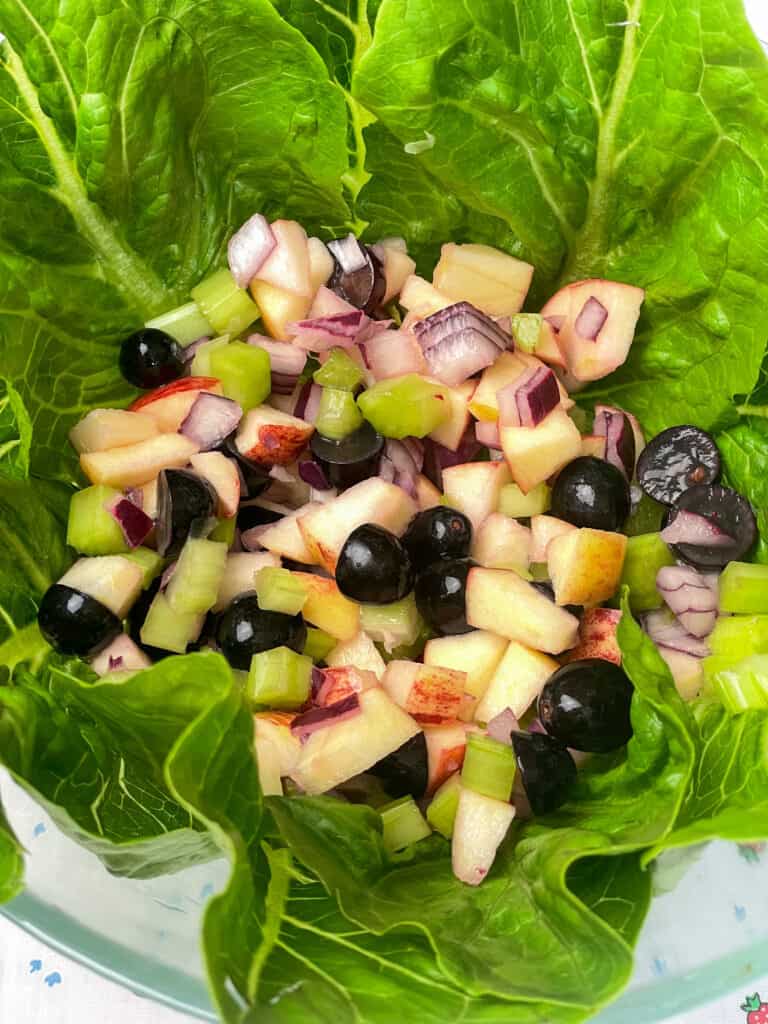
{"x":425,"y":690}
{"x":544,"y":529}
{"x":137,"y":464}
{"x":221,"y":473}
{"x":687,"y":672}
{"x":285,"y":538}
{"x":240,"y":574}
{"x":534,"y":454}
{"x":503,"y":603}
{"x":327,"y":608}
{"x":519,"y":678}
{"x":361,"y":652}
{"x":597,"y":636}
{"x":342,"y":682}
{"x":585,"y":566}
{"x":450,"y":433}
{"x":427,"y":495}
{"x":326,"y":527}
{"x":479,"y":829}
{"x":587,"y":358}
{"x":502,"y":543}
{"x":474,"y":488}
{"x":170,"y":404}
{"x":477,"y":654}
{"x":446,"y":746}
{"x":278,"y":307}
{"x":349,"y":747}
{"x":287,"y":266}
{"x":490,"y":279}
{"x":269,"y":437}
{"x":103,"y":429}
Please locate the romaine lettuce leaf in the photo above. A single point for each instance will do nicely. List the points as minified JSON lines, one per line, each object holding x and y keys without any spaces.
{"x":745,"y":454}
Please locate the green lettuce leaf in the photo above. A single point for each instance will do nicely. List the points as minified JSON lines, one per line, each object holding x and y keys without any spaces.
{"x":745,"y":453}
{"x":11,"y":861}
{"x":627,"y":142}
{"x":15,"y":433}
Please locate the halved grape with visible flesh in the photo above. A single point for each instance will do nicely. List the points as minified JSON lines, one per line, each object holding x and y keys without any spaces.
{"x":729,"y":513}
{"x":676,"y":459}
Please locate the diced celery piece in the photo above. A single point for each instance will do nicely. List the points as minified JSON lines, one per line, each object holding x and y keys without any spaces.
{"x":489,"y":767}
{"x":392,"y":624}
{"x":539,"y":571}
{"x":338,"y":415}
{"x":526,"y":329}
{"x":226,"y":307}
{"x":738,"y":636}
{"x":152,"y":563}
{"x":646,"y":517}
{"x":513,"y":503}
{"x":319,"y":644}
{"x":224,"y":530}
{"x":441,"y":812}
{"x":91,"y":527}
{"x":403,"y":824}
{"x":244,"y":373}
{"x":185,"y":323}
{"x":195,"y":583}
{"x":169,"y":629}
{"x":279,"y":678}
{"x":646,"y":554}
{"x":201,"y":363}
{"x":408,"y":406}
{"x":410,"y":651}
{"x":339,"y":371}
{"x":744,"y":588}
{"x":278,"y":590}
{"x":740,"y":686}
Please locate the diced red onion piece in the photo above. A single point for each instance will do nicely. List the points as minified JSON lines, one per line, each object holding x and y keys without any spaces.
{"x":250,"y":538}
{"x":316,"y":682}
{"x":634,"y":424}
{"x":407,"y":462}
{"x":591,"y":319}
{"x":134,"y":523}
{"x":690,"y":596}
{"x":311,"y":473}
{"x":248,"y":249}
{"x":284,"y":358}
{"x":319,"y":718}
{"x":167,"y":576}
{"x":691,"y":528}
{"x":321,"y":333}
{"x":536,"y":726}
{"x":190,"y":351}
{"x":115,"y":663}
{"x":308,"y":402}
{"x":502,"y":726}
{"x":210,"y":420}
{"x":614,"y":425}
{"x":136,"y":496}
{"x":529,"y":399}
{"x":451,"y":320}
{"x":487,"y":433}
{"x":284,"y":383}
{"x":459,"y":356}
{"x":555,"y":322}
{"x":348,"y":253}
{"x":673,"y":635}
{"x":437,"y":457}
{"x":387,"y":470}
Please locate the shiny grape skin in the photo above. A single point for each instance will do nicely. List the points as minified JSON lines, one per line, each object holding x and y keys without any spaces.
{"x":351,"y":460}
{"x":591,"y":493}
{"x":364,"y":288}
{"x":728,"y":510}
{"x":373,"y":566}
{"x":547,"y":770}
{"x":244,"y":629}
{"x":183,"y":498}
{"x":586,"y":705}
{"x":676,"y":459}
{"x":76,"y":623}
{"x":437,"y":533}
{"x":150,"y":358}
{"x":404,"y":772}
{"x":441,"y":596}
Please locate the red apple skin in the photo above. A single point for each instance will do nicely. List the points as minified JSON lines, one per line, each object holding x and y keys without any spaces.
{"x":597,"y":636}
{"x":446,"y":746}
{"x":342,"y":682}
{"x":278,"y":445}
{"x":175,"y":388}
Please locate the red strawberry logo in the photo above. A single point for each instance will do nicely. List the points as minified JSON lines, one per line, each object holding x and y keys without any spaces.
{"x":755,"y":1009}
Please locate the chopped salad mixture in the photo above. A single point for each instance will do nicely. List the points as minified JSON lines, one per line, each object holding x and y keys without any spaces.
{"x":376,"y":496}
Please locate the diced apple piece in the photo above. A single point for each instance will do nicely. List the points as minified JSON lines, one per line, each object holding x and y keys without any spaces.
{"x":103,"y":429}
{"x":425,"y":690}
{"x":169,"y":405}
{"x":122,"y":655}
{"x":446,"y":745}
{"x":111,"y":579}
{"x":585,"y":566}
{"x":320,"y":263}
{"x":350,"y":747}
{"x":287,"y":266}
{"x":221,"y":473}
{"x":272,"y":438}
{"x":328,"y":303}
{"x":450,"y":433}
{"x":474,"y":488}
{"x":517,"y":681}
{"x":326,"y":527}
{"x":488,"y":278}
{"x":484,"y":404}
{"x":502,"y":543}
{"x":597,"y":636}
{"x":275,"y":727}
{"x":547,"y":349}
{"x":137,"y":464}
{"x":149,"y":498}
{"x":687,"y":672}
{"x":342,"y":682}
{"x":359,"y":651}
{"x":278,"y":307}
{"x":327,"y":608}
{"x":268,"y":762}
{"x":591,"y":356}
{"x":544,"y":529}
{"x":593,"y":445}
{"x":421,"y":299}
{"x":398,"y":267}
{"x":505,"y":604}
{"x":536,"y":453}
{"x":427,"y":495}
{"x":478,"y":831}
{"x":284,"y":537}
{"x":240,"y":574}
{"x":477,"y":654}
